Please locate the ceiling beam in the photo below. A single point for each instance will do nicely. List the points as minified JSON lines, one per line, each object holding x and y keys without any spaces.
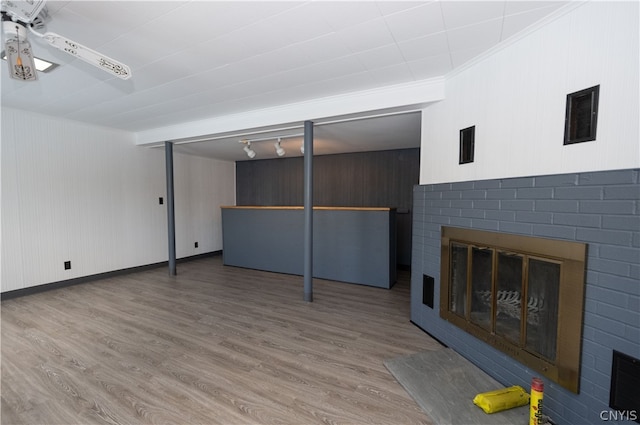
{"x":410,"y":95}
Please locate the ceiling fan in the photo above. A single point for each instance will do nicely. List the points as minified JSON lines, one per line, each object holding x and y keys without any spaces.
{"x":20,"y":17}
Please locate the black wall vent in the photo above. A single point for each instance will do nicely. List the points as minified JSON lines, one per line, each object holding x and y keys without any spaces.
{"x":581,"y":117}
{"x":427,"y":290}
{"x":467,"y":144}
{"x":624,"y":396}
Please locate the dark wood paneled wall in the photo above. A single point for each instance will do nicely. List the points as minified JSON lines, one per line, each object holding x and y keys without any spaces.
{"x":367,"y":179}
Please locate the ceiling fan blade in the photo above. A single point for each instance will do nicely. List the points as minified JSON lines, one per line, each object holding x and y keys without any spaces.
{"x":25,"y":11}
{"x":88,"y":55}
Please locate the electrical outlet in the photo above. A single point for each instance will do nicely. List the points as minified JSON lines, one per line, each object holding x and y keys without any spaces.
{"x":196,"y":244}
{"x":67,"y":265}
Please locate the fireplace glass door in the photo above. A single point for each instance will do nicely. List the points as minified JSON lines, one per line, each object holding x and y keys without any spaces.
{"x":502,"y":310}
{"x":542,"y":307}
{"x":510,"y":291}
{"x":458,"y":287}
{"x":481,"y":282}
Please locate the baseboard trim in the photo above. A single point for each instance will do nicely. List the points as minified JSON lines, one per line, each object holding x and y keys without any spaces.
{"x":91,"y":278}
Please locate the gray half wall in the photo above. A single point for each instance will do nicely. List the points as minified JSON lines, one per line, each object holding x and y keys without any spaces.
{"x":355,"y":246}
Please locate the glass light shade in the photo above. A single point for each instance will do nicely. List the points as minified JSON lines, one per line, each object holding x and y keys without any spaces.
{"x":20,"y":60}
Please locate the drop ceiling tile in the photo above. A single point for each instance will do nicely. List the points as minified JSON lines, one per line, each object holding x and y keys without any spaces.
{"x":253,"y":88}
{"x":54,"y":6}
{"x":326,"y":47}
{"x":462,"y":56}
{"x":22,"y":102}
{"x":20,"y":94}
{"x":342,"y":14}
{"x":154,"y":34}
{"x":229,"y":75}
{"x":212,"y":95}
{"x":226,"y":48}
{"x":430,"y":67}
{"x":366,"y":36}
{"x":51,"y":87}
{"x":394,"y":74}
{"x":391,"y":7}
{"x":74,"y":27}
{"x":158,"y":73}
{"x":151,"y":97}
{"x":123,"y":16}
{"x":330,"y":69}
{"x":430,"y":45}
{"x":8,"y":84}
{"x":124,"y":122}
{"x":462,"y":13}
{"x":417,"y":22}
{"x":245,"y":13}
{"x":199,"y":21}
{"x":485,"y":34}
{"x":256,"y":102}
{"x":295,"y":77}
{"x":261,"y":37}
{"x":513,"y":7}
{"x":204,"y":20}
{"x":77,"y":74}
{"x":295,"y":21}
{"x":77,"y":103}
{"x":281,"y":60}
{"x":514,"y":24}
{"x":208,"y":55}
{"x":329,"y":87}
{"x":381,"y":57}
{"x":123,"y":49}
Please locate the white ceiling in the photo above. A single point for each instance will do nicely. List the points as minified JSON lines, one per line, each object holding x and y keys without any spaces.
{"x":193,"y":60}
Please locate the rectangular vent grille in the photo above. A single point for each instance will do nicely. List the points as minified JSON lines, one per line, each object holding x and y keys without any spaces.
{"x":625,"y":381}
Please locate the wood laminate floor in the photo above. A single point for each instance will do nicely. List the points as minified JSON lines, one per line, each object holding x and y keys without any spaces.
{"x":214,"y":345}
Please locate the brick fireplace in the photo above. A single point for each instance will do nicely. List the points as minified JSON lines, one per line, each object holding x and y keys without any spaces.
{"x":599,"y":209}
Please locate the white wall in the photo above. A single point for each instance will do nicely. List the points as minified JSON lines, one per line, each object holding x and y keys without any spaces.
{"x":202,"y":185}
{"x":89,"y":195}
{"x":516,"y":99}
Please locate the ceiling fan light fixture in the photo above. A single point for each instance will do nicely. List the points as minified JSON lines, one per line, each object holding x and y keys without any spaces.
{"x":44,"y":65}
{"x":20,"y":17}
{"x":22,"y":65}
{"x":41,"y":65}
{"x":18,"y":51}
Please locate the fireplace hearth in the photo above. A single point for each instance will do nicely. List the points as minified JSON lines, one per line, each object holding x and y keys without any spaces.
{"x":522,"y":295}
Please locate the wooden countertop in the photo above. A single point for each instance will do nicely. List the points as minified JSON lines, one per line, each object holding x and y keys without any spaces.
{"x":249,"y":207}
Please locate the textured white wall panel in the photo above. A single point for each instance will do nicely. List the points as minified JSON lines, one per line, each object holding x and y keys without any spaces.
{"x":516,"y":99}
{"x":89,"y":195}
{"x":11,"y":221}
{"x":202,"y":185}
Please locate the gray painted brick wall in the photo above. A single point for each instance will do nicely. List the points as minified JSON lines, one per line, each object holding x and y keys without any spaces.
{"x":597,"y":208}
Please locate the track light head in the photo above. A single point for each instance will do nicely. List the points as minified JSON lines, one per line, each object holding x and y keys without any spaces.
{"x":279,"y":150}
{"x":250,"y":152}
